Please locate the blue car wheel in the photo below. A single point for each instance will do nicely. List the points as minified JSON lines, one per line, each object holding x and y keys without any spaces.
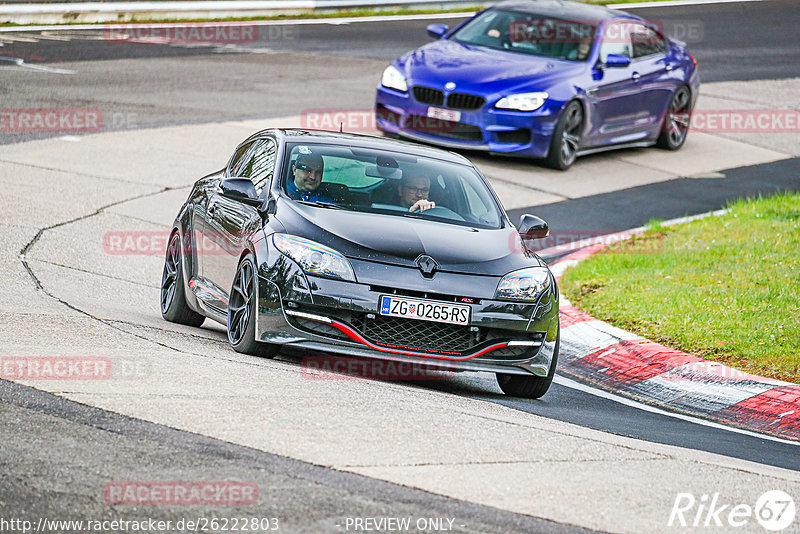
{"x":566,"y":137}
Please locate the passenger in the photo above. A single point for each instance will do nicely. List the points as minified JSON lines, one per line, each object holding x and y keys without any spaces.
{"x":306,"y":178}
{"x":413,"y":193}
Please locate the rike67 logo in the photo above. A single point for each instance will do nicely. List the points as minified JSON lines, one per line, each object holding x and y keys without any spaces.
{"x":774,"y":511}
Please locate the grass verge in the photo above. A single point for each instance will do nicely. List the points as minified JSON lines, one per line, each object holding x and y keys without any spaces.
{"x":723,"y":288}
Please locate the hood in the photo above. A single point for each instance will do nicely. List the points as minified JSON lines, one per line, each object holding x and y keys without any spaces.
{"x":400,"y":241}
{"x":482,"y":70}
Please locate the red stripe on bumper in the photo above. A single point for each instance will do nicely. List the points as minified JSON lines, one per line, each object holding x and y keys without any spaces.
{"x":355,"y":336}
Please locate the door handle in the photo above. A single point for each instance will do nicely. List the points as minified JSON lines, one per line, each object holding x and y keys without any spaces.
{"x":635,"y":76}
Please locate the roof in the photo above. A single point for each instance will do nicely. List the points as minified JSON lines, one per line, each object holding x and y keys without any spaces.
{"x":369,"y":141}
{"x":563,"y":9}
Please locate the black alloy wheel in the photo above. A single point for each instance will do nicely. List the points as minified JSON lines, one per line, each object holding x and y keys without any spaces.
{"x":676,"y":121}
{"x":242,"y":310}
{"x":173,"y":292}
{"x":566,"y":137}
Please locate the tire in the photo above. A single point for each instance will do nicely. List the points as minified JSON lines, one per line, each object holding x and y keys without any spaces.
{"x":242,"y":310}
{"x":530,"y":386}
{"x":173,"y":293}
{"x":566,"y":137}
{"x":675,"y":127}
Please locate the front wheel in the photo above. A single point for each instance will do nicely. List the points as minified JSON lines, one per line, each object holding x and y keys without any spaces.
{"x":173,"y":293}
{"x":676,"y":122}
{"x":242,"y":310}
{"x":530,"y":386}
{"x":566,"y":138}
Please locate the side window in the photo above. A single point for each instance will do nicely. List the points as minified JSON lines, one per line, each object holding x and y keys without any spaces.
{"x":238,"y":160}
{"x":261,"y":165}
{"x":647,"y":42}
{"x":616,"y":40}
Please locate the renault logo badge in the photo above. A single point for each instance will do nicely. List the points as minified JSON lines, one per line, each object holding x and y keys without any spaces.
{"x":427,"y":266}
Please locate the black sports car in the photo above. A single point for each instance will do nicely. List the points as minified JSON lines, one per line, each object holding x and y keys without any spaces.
{"x":367,"y":247}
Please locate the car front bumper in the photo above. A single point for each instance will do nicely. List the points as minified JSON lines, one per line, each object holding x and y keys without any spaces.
{"x":487,"y":129}
{"x":342,"y":317}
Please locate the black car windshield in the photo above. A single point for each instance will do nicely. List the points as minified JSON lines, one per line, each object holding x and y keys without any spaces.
{"x":388,"y":183}
{"x":527,"y":33}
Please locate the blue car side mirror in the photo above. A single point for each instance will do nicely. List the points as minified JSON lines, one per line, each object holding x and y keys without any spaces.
{"x":617,"y":61}
{"x":437,"y":30}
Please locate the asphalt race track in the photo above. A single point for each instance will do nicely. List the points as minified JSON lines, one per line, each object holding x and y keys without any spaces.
{"x":323,"y":451}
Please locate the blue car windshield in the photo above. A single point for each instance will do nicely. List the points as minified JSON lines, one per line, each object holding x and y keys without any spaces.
{"x":530,"y":34}
{"x":388,"y":183}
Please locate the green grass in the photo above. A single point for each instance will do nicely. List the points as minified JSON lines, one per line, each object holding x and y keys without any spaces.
{"x":724,"y":288}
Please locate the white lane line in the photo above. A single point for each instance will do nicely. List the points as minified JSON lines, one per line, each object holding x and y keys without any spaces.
{"x":19,"y":62}
{"x":566,"y":382}
{"x":301,"y":22}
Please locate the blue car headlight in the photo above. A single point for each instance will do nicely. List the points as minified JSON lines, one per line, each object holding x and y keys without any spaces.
{"x":522,"y":101}
{"x":394,"y":79}
{"x":525,"y":284}
{"x":314,"y":258}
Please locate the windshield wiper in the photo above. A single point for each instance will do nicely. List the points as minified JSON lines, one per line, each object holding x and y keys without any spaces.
{"x":321,"y":204}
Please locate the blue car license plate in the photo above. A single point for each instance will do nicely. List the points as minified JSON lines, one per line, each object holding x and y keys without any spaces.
{"x":424,"y":310}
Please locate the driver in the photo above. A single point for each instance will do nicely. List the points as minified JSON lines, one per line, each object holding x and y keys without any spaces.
{"x":306,"y":178}
{"x":413,"y":193}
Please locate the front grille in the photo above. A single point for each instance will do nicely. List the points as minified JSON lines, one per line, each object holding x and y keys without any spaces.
{"x":465,"y":101}
{"x":411,"y":333}
{"x":442,"y":128}
{"x":517,"y":137}
{"x":429,"y":95}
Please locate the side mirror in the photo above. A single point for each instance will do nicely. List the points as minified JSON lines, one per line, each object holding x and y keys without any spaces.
{"x":241,"y":189}
{"x":617,"y":61}
{"x":532,"y":227}
{"x":437,"y":30}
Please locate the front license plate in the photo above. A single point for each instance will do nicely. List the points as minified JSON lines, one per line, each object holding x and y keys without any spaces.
{"x":424,"y":310}
{"x":444,"y":114}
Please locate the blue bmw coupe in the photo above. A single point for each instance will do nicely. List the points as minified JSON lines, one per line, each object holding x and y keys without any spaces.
{"x":546,"y":79}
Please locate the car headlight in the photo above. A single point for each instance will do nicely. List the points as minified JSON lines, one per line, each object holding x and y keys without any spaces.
{"x":394,"y":79}
{"x":314,"y":258}
{"x":525,"y":284}
{"x":522,"y":101}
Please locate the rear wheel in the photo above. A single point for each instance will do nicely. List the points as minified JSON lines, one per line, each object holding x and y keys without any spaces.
{"x":173,"y":292}
{"x":242,"y":310}
{"x":566,"y":136}
{"x":530,"y":386}
{"x":676,"y":121}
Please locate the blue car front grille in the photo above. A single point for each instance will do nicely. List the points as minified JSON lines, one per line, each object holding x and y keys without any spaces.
{"x":428,"y":95}
{"x":464,"y":101}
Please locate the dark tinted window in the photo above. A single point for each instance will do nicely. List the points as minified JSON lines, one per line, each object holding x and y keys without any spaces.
{"x":261,"y":164}
{"x":238,"y":160}
{"x":537,"y":35}
{"x":647,"y":42}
